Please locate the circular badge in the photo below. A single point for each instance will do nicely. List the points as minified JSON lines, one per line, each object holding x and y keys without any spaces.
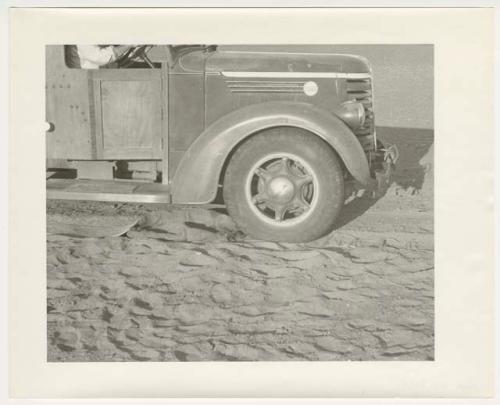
{"x":310,"y":88}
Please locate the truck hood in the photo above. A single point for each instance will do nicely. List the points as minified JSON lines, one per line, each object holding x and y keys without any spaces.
{"x":240,"y":61}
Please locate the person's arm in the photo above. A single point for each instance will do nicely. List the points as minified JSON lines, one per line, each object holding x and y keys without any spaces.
{"x":97,"y":55}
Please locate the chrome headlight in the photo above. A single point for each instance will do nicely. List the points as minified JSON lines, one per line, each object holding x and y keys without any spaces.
{"x":353,"y":113}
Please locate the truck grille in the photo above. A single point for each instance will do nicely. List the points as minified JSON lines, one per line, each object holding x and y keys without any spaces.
{"x":360,"y":90}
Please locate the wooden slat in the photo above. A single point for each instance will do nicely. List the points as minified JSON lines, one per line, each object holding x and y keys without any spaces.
{"x":97,"y":130}
{"x":165,"y":175}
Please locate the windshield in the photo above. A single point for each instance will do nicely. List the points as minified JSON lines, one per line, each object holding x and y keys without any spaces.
{"x":177,"y":51}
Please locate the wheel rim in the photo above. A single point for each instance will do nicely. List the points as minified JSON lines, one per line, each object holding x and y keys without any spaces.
{"x":282,"y":189}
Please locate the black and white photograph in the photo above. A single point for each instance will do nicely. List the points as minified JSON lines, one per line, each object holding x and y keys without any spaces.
{"x":249,"y":203}
{"x":239,"y":203}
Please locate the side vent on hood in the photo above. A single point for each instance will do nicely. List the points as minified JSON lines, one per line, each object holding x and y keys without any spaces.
{"x":267,"y":86}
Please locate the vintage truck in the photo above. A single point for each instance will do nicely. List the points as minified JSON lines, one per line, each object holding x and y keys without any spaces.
{"x":274,"y":136}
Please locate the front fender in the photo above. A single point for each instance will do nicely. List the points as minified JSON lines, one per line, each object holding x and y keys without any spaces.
{"x":197,"y":176}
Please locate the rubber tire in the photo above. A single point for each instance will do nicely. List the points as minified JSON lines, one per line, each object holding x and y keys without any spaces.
{"x":323,"y":161}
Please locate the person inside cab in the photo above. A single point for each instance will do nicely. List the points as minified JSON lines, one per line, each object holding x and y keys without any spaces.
{"x":93,"y":56}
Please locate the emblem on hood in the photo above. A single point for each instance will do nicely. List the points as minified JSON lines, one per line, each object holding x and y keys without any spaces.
{"x":310,"y":88}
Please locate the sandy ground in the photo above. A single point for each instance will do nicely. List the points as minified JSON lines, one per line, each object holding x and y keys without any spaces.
{"x":185,"y":285}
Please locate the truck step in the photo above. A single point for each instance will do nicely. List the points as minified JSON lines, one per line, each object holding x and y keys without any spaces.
{"x":107,"y":190}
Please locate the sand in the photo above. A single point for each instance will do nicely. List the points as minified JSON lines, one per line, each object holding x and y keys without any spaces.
{"x":183,"y":284}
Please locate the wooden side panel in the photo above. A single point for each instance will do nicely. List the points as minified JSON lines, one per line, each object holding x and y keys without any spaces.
{"x":131,"y":119}
{"x":128,"y":106}
{"x":67,"y":108}
{"x":104,"y":113}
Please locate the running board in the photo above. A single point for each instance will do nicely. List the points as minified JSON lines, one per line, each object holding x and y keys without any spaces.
{"x":108,"y":190}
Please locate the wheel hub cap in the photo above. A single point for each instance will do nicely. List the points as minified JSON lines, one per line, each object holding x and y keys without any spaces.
{"x":281,"y":189}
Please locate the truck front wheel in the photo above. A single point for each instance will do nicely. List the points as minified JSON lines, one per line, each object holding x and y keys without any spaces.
{"x":284,"y":184}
